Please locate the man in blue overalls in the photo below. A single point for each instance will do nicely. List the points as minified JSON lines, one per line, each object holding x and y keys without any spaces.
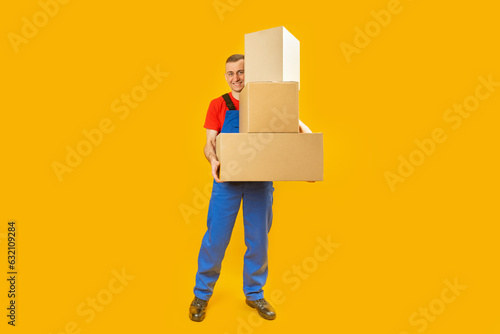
{"x":223,"y":117}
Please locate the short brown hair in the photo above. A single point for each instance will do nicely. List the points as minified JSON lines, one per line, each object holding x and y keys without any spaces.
{"x":234,"y":58}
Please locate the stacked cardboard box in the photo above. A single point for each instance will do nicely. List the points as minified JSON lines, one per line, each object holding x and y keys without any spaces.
{"x":269,"y":146}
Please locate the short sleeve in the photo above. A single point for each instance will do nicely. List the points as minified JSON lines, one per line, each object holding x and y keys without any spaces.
{"x":212,"y":120}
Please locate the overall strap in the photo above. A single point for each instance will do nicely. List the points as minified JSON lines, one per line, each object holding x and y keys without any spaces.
{"x":229,"y":103}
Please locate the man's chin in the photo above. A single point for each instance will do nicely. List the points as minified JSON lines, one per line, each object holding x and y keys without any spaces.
{"x":238,"y":90}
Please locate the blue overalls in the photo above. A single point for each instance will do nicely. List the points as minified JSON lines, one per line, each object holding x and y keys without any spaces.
{"x":223,"y":209}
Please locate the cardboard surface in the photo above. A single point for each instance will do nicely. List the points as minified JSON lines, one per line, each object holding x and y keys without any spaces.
{"x":269,"y":107}
{"x":270,"y":156}
{"x":272,"y":55}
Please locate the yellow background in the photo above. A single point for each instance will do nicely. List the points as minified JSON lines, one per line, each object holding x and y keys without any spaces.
{"x":121,"y":207}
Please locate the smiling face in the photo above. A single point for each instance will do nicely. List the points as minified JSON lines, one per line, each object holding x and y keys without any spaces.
{"x":235,"y":75}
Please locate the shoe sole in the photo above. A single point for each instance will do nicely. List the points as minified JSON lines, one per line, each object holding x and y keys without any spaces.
{"x":263,"y":315}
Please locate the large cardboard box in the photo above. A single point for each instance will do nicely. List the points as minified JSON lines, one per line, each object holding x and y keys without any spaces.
{"x":269,"y":107}
{"x":272,"y":55}
{"x":270,"y":156}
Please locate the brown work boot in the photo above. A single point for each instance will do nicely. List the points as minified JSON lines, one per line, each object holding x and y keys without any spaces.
{"x":197,"y":309}
{"x":265,"y":310}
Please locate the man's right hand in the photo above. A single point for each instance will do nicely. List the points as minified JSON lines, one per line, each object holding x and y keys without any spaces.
{"x":215,"y":168}
{"x":210,"y":153}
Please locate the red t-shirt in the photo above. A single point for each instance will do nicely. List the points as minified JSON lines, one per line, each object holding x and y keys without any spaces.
{"x":217,"y":112}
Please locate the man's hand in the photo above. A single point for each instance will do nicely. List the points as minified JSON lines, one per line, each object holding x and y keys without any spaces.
{"x":303,"y":128}
{"x":215,"y":168}
{"x":210,"y":153}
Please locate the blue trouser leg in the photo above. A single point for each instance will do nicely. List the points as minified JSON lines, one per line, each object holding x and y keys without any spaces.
{"x":222,"y":212}
{"x":257,"y":216}
{"x":223,"y":209}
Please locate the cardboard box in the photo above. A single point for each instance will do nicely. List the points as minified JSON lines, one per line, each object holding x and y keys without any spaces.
{"x":272,"y":55}
{"x":270,"y":156}
{"x":269,"y":107}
